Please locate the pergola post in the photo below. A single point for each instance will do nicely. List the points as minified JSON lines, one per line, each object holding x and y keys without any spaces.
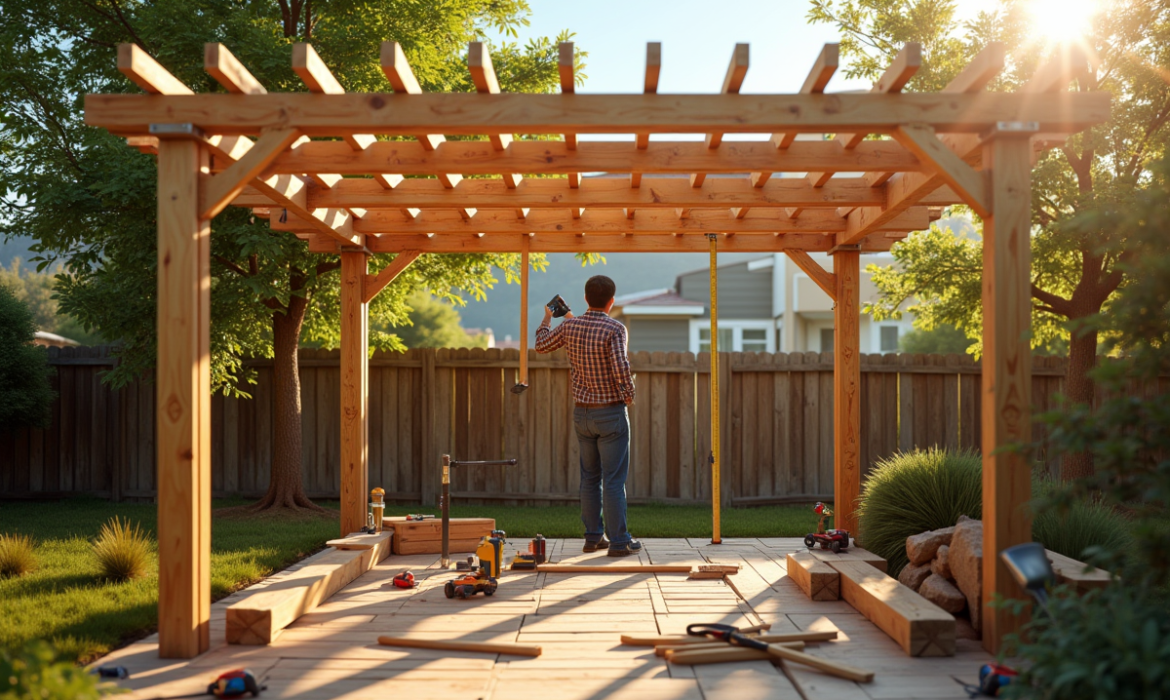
{"x":183,"y":387}
{"x":1007,"y":370}
{"x":355,"y":368}
{"x":847,"y":388}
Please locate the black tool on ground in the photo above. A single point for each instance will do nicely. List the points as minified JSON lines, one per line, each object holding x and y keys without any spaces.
{"x":558,"y":306}
{"x":232,"y":684}
{"x":725,"y":633}
{"x":112,"y":672}
{"x":445,"y":498}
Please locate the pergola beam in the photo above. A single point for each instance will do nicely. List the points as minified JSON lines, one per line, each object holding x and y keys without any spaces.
{"x":468,"y":114}
{"x":377,"y":281}
{"x":824,"y":279}
{"x":656,"y":193}
{"x":962,"y":178}
{"x":220,"y":189}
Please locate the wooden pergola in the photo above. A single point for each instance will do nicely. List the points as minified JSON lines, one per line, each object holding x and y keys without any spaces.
{"x":313,"y":165}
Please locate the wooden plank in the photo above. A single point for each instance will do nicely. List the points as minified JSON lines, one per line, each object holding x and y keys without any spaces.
{"x":920,"y":627}
{"x":358,"y":540}
{"x":397,"y":114}
{"x":259,"y":618}
{"x":1007,"y":420}
{"x":144,"y":71}
{"x":354,"y":394}
{"x":818,"y":580}
{"x":854,"y":553}
{"x":847,"y":389}
{"x":183,"y":388}
{"x":1085,"y":578}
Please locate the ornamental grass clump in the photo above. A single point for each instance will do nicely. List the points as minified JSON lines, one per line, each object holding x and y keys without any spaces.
{"x":123,"y":552}
{"x":16,"y":555}
{"x":1081,"y":529}
{"x":913,"y":492}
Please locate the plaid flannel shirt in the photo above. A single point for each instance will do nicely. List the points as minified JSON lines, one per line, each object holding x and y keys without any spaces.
{"x":598,"y":362}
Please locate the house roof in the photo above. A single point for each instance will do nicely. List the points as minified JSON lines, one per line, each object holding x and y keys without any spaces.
{"x":658,"y":302}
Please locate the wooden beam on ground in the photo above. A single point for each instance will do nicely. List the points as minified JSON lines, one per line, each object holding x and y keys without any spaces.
{"x":903,"y":68}
{"x":818,"y":580}
{"x":1085,"y":578}
{"x":592,"y":221}
{"x":603,"y":193}
{"x":631,"y":640}
{"x":183,"y":404}
{"x":481,"y":647}
{"x":962,"y":178}
{"x":1007,"y":372}
{"x":847,"y":389}
{"x":615,"y":569}
{"x":377,"y":281}
{"x":462,"y":114}
{"x":555,"y":158}
{"x":221,"y":189}
{"x":824,"y":279}
{"x":920,"y":627}
{"x":354,"y":393}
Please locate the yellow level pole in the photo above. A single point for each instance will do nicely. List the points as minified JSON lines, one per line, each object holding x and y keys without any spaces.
{"x":716,"y":537}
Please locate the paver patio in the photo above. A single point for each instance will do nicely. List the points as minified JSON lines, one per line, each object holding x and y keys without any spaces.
{"x":332,"y":652}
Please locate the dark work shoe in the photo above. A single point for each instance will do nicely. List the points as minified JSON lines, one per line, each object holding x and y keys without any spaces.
{"x":625,"y":550}
{"x":593,"y":546}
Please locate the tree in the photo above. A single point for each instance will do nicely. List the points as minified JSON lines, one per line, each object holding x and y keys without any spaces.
{"x":35,"y":289}
{"x":432,"y":324}
{"x":89,"y":201}
{"x":942,"y":339}
{"x":1073,"y":277}
{"x":26,"y":398}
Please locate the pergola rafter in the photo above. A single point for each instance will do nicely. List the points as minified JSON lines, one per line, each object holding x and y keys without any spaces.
{"x":318,"y":165}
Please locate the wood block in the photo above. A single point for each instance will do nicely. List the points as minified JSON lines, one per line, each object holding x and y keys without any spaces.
{"x":436,"y":546}
{"x":818,"y":580}
{"x":851,"y":554}
{"x":412,"y":532}
{"x":359,"y":540}
{"x":260,"y":617}
{"x":1069,"y":570}
{"x":919,"y":626}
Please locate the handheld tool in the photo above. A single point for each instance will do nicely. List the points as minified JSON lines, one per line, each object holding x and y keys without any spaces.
{"x":527,"y":561}
{"x":232,"y":684}
{"x":732,"y":635}
{"x":419,"y":516}
{"x":559,"y":307}
{"x":445,"y":497}
{"x":405,"y":580}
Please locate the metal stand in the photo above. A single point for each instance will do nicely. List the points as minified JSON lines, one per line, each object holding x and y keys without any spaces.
{"x":445,"y":497}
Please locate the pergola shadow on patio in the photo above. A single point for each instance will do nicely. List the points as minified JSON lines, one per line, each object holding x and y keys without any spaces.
{"x":577,"y":620}
{"x":963,"y":145}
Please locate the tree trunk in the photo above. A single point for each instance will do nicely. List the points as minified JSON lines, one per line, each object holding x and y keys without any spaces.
{"x":1079,"y":389}
{"x":285,"y":487}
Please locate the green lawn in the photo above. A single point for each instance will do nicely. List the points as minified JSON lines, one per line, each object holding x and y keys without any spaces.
{"x":66,"y":602}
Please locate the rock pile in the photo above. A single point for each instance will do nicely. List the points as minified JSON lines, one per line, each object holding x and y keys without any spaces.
{"x":946,"y":568}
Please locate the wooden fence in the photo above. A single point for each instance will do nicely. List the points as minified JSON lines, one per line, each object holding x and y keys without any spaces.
{"x":777,"y":423}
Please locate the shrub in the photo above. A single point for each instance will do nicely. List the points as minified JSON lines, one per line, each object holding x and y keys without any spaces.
{"x":26,"y":398}
{"x":123,"y":552}
{"x":1111,"y":643}
{"x":1078,"y":527}
{"x":917,"y":491}
{"x":16,"y":555}
{"x":37,"y":672}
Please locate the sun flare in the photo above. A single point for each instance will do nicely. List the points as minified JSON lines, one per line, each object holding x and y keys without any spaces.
{"x":1060,"y":21}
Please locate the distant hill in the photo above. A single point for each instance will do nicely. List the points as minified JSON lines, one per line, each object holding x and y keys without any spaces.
{"x":633,"y":272}
{"x":15,"y":248}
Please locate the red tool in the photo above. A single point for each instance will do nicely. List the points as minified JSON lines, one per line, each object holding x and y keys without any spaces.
{"x":418,"y":516}
{"x":834,"y":540}
{"x":233,"y":684}
{"x":405,"y":580}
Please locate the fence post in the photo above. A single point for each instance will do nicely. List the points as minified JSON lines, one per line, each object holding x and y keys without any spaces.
{"x":430,"y":446}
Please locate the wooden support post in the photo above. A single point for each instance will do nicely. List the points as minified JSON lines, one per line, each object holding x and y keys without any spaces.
{"x":522,"y":382}
{"x":355,"y":368}
{"x":183,"y":388}
{"x":1007,"y":371}
{"x":847,"y":388}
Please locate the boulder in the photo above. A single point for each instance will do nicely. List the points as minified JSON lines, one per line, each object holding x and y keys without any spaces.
{"x":964,"y":629}
{"x":912,"y":576}
{"x":941,"y":563}
{"x":965,"y":558}
{"x":939,"y":591}
{"x":921,"y":548}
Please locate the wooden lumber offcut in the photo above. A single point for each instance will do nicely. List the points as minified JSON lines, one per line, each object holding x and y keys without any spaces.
{"x":1069,"y":570}
{"x":632,"y":640}
{"x":692,"y":656}
{"x":425,"y":536}
{"x":919,"y":626}
{"x":485,"y":647}
{"x":359,"y":540}
{"x":664,"y":651}
{"x":615,"y":569}
{"x":259,"y":618}
{"x":817,"y":579}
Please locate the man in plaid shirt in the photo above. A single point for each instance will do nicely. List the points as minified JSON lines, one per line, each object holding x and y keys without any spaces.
{"x":602,"y":388}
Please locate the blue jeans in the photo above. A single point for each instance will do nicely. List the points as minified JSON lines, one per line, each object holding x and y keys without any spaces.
{"x":604,"y":437}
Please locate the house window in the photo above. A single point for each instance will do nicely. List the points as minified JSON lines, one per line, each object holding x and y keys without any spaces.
{"x":734,"y":336}
{"x":889,"y":339}
{"x":826,"y":340}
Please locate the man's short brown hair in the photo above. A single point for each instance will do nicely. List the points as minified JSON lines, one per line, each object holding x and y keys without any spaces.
{"x":599,"y":290}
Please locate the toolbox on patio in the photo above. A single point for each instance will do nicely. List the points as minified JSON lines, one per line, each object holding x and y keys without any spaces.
{"x":425,"y":536}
